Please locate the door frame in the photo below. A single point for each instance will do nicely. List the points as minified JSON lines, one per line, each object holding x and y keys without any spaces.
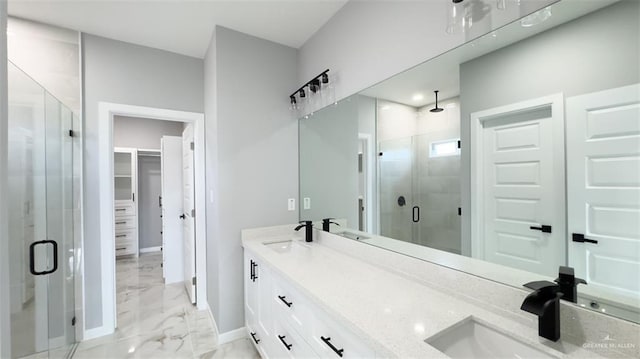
{"x":106,"y":112}
{"x":556,"y":101}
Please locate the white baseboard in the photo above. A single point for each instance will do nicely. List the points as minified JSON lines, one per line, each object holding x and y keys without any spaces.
{"x":213,"y":320}
{"x":96,"y":333}
{"x":226,"y":337}
{"x":151,"y":249}
{"x":232,"y":335}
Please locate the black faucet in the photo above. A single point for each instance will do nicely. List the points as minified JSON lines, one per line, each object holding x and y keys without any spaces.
{"x":545,"y":303}
{"x":568,"y":284}
{"x":308,"y":233}
{"x":326,"y":223}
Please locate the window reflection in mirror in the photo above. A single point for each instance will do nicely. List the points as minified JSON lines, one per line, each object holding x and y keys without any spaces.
{"x":548,"y":117}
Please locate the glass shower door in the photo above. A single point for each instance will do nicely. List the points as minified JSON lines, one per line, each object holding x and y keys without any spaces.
{"x":396,"y":188}
{"x":41,"y":246}
{"x":420,"y":190}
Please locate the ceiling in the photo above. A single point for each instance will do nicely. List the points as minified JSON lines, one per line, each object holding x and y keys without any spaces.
{"x":182,"y":26}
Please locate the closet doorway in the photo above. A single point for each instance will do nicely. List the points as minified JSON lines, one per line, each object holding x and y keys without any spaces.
{"x":144,"y":153}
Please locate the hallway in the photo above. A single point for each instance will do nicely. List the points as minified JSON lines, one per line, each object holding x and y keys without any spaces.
{"x":158,"y":321}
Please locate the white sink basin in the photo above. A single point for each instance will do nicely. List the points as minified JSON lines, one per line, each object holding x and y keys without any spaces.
{"x":286,"y":246}
{"x":472,"y":339}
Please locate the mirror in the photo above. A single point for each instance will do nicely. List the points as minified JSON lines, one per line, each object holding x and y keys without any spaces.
{"x":531,"y":161}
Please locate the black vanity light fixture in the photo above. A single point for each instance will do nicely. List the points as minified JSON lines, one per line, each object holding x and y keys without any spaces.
{"x":436,"y":109}
{"x":314,"y":84}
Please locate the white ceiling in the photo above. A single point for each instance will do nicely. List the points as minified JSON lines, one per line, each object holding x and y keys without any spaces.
{"x":182,"y":26}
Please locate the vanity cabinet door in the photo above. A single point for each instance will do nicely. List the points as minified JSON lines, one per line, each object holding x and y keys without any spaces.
{"x":257,"y":292}
{"x":250,"y":293}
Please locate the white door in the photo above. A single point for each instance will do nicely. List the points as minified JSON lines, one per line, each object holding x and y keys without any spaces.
{"x":603,"y":177}
{"x":171,"y":201}
{"x":188,"y":209}
{"x":521,"y":172}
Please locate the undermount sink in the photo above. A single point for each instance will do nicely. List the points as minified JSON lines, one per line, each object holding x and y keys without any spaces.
{"x":286,"y":246}
{"x":472,"y":339}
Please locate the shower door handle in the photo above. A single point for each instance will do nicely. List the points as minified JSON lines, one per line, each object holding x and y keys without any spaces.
{"x":32,"y":262}
{"x":416,"y":214}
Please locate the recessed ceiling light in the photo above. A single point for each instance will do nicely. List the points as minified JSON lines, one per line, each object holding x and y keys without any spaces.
{"x":385,"y":107}
{"x":418,"y":97}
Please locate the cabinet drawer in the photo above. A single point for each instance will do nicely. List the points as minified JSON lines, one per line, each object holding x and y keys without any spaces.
{"x":125,"y":248}
{"x":126,"y":235}
{"x":286,"y":343}
{"x":124,"y":209}
{"x":125,"y":223}
{"x":329,"y":338}
{"x":289,"y":305}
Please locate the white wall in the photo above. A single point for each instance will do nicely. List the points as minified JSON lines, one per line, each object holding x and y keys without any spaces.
{"x":5,"y":320}
{"x":118,"y":72}
{"x":143,"y":133}
{"x":252,"y":156}
{"x":30,"y":42}
{"x":596,"y":52}
{"x":368,"y":41}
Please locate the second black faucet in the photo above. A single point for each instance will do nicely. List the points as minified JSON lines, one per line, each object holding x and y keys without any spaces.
{"x":308,"y":233}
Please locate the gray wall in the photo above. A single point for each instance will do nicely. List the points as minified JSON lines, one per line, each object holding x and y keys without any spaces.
{"x":329,"y":163}
{"x":149,"y":221}
{"x":118,"y":72}
{"x":252,"y":156}
{"x":593,"y":53}
{"x":143,"y":132}
{"x":368,"y":41}
{"x":5,"y":338}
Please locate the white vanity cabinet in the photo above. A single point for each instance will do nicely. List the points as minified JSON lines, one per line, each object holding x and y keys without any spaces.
{"x":283,"y":323}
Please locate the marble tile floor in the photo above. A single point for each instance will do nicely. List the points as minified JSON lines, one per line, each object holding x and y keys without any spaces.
{"x":157,"y":320}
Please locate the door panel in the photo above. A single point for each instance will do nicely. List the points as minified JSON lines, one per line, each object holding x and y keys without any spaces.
{"x":188,"y":209}
{"x":521,"y":189}
{"x":42,"y":264}
{"x":172,"y":209}
{"x":603,"y":165}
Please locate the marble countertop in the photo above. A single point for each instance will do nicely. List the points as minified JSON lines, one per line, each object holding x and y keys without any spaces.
{"x":392,"y":313}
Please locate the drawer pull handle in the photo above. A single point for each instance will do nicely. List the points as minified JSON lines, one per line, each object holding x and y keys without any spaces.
{"x":283,"y":299}
{"x":253,"y":335}
{"x":327,"y":341}
{"x":121,"y":209}
{"x":123,"y":222}
{"x":120,"y":235}
{"x":288,"y":346}
{"x":121,"y":248}
{"x":252,"y":267}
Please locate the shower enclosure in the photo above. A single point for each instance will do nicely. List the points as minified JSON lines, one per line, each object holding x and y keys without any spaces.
{"x":419,"y":185}
{"x":44,"y":210}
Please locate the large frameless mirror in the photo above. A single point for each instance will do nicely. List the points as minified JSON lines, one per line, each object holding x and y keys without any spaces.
{"x":529,"y":160}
